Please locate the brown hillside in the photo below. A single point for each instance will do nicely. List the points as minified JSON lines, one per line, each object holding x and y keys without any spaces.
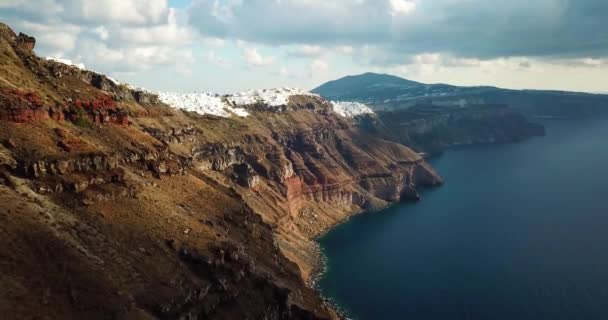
{"x":116,"y":206}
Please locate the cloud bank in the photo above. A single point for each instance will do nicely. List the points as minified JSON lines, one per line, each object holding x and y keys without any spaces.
{"x":468,"y":28}
{"x":305,"y":42}
{"x":117,"y":36}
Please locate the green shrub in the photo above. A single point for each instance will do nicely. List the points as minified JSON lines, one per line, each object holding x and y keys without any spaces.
{"x":82,"y":122}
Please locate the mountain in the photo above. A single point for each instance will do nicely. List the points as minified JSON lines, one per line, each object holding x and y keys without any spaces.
{"x":354,"y":88}
{"x":386,"y":92}
{"x":431,"y":118}
{"x":118,"y":203}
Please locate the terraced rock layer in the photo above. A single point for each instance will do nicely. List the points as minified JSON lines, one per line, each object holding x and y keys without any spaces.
{"x":114,"y":205}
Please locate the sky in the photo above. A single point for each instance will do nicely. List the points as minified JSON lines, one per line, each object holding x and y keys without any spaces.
{"x":232,"y":45}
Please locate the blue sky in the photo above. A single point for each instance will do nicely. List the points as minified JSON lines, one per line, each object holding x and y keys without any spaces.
{"x":232,"y":45}
{"x":179,"y":3}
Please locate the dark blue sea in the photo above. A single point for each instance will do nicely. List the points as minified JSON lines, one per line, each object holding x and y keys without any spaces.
{"x":518,"y":231}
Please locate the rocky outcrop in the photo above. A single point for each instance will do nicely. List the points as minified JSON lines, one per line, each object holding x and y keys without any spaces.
{"x":145,"y":97}
{"x":232,"y":270}
{"x":62,"y":166}
{"x":23,"y":41}
{"x":173,"y":135}
{"x":118,"y":92}
{"x":101,"y":110}
{"x":78,"y":183}
{"x":166,"y":167}
{"x":244,"y":175}
{"x":26,"y":42}
{"x":160,"y":162}
{"x":91,"y":178}
{"x":21,"y":106}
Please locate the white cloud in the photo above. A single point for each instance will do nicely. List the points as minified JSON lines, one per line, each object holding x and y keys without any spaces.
{"x":170,"y":33}
{"x":111,"y":36}
{"x":437,"y":67}
{"x":136,"y":12}
{"x":285,"y":76}
{"x":402,"y":6}
{"x":482,"y":29}
{"x":290,"y":21}
{"x":344,"y":49}
{"x":427,"y":58}
{"x":254,"y":58}
{"x":58,"y":41}
{"x":102,"y":32}
{"x":591,"y":62}
{"x":430,"y":40}
{"x":214,"y":42}
{"x":51,"y":7}
{"x":91,"y":12}
{"x":319,"y":66}
{"x":306,"y":51}
{"x":217,"y":60}
{"x":284,"y":72}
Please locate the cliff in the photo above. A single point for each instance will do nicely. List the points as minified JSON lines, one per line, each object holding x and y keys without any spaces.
{"x":115,"y":205}
{"x":433,"y":117}
{"x":432,"y":129}
{"x":390,"y":93}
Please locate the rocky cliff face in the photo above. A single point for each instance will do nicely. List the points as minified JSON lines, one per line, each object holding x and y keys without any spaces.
{"x":432,"y":117}
{"x":113,"y":205}
{"x":432,"y":129}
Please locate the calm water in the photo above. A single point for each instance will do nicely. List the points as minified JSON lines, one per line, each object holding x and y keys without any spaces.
{"x":519,"y":231}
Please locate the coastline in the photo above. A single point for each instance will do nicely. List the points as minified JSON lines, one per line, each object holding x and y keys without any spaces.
{"x":321,"y":260}
{"x":348,"y":245}
{"x":319,"y":265}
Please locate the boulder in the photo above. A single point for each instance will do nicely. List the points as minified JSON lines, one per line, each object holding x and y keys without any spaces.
{"x":146,"y":97}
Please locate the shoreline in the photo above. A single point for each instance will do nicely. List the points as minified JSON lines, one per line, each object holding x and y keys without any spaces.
{"x":320,"y":263}
{"x":319,"y":267}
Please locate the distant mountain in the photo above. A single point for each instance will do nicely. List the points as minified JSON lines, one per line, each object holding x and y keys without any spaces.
{"x":374,"y":85}
{"x":383,"y":89}
{"x":387,"y":92}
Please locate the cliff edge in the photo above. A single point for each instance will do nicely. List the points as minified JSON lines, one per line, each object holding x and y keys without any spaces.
{"x":116,"y":205}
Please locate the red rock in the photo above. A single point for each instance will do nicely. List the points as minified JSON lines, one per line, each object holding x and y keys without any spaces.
{"x":21,"y":106}
{"x":23,"y":115}
{"x":102,"y":110}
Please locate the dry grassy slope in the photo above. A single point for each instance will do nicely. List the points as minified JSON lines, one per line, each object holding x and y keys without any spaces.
{"x":176,"y":214}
